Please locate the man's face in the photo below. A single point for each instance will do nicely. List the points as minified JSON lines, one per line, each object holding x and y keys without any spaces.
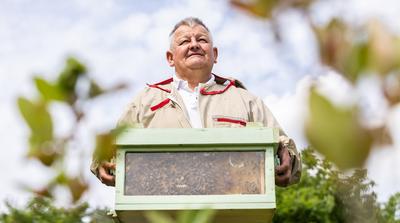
{"x":191,"y":49}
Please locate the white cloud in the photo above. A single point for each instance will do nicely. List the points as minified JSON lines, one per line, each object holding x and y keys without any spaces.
{"x":291,"y":109}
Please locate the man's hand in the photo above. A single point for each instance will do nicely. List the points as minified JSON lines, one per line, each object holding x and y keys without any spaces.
{"x":105,"y":175}
{"x":283,"y":172}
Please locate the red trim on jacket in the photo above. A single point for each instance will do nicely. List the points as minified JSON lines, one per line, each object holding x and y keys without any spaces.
{"x":231,"y":121}
{"x":218,"y":79}
{"x":158,"y":87}
{"x":204,"y":92}
{"x":160,"y":105}
{"x":164,"y":82}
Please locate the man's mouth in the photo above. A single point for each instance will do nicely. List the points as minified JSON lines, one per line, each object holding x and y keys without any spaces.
{"x":195,"y":54}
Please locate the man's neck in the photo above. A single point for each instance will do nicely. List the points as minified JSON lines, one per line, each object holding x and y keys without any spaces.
{"x":194,"y":77}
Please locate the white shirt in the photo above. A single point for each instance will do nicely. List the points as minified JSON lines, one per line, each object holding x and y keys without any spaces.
{"x":191,"y":99}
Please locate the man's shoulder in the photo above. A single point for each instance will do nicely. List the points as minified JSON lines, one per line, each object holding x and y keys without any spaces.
{"x":152,"y":92}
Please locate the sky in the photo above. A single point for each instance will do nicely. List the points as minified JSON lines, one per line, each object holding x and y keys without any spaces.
{"x":125,"y":41}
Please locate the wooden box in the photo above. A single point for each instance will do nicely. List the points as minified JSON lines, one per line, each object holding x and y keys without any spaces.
{"x":227,"y":169}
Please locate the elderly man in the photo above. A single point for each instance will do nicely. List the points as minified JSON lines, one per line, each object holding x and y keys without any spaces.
{"x":194,"y":97}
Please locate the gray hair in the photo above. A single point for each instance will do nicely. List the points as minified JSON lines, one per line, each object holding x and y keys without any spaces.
{"x":189,"y":21}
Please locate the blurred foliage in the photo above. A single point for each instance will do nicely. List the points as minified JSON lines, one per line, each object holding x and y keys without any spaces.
{"x":187,"y":216}
{"x":49,"y":149}
{"x":105,"y":146}
{"x":354,"y":51}
{"x":326,"y":194}
{"x":337,"y":131}
{"x":42,"y":210}
{"x":359,"y":51}
{"x":267,"y":8}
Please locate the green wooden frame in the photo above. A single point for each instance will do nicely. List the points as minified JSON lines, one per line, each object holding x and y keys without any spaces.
{"x":210,"y":139}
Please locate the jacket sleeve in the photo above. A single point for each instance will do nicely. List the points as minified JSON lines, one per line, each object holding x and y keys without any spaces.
{"x":129,"y":117}
{"x":261,"y":113}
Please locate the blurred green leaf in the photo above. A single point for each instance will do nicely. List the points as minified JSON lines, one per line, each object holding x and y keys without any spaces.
{"x":61,"y":178}
{"x":265,"y":8}
{"x":94,"y":89}
{"x":385,"y":48}
{"x":48,"y":90}
{"x":339,"y":51}
{"x":204,"y":216}
{"x":44,"y":192}
{"x":355,"y":63}
{"x":260,"y":8}
{"x":105,"y":147}
{"x":44,"y":152}
{"x":77,"y":187}
{"x":158,"y":217}
{"x":337,"y":133}
{"x":105,"y":144}
{"x":356,"y":52}
{"x":69,"y":77}
{"x":38,"y":119}
{"x":186,"y":216}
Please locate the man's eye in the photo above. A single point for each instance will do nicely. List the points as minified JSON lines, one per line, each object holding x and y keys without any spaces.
{"x":183,"y":42}
{"x":203,"y":40}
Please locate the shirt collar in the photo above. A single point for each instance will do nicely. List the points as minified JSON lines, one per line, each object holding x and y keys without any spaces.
{"x":182,"y":84}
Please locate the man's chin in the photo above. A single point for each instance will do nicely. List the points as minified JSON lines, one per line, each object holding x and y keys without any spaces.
{"x":196,"y":62}
{"x":196,"y":66}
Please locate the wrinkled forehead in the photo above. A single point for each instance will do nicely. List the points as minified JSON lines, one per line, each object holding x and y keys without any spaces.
{"x":186,"y":30}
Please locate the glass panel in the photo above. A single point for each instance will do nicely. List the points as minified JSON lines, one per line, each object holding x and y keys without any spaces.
{"x":194,"y":173}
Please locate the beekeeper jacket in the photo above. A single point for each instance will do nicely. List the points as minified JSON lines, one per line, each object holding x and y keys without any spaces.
{"x":222,"y":103}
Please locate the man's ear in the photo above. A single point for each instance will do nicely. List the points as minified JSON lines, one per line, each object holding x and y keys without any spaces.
{"x":215,"y":50}
{"x":170,"y":58}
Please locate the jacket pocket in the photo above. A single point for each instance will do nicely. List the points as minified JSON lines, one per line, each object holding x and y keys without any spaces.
{"x":220,"y":121}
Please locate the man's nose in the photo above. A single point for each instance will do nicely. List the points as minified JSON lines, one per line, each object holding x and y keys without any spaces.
{"x":194,"y":44}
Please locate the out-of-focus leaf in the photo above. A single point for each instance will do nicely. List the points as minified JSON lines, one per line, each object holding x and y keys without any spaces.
{"x":41,"y":139}
{"x":77,"y":187}
{"x":302,"y":4}
{"x":38,"y":119}
{"x":356,"y":62}
{"x":49,"y":91}
{"x":260,"y":8}
{"x":385,"y":49}
{"x":69,"y":77}
{"x":105,"y":147}
{"x":337,"y":133}
{"x":204,"y":216}
{"x":105,"y":144}
{"x":186,"y":216}
{"x":339,"y":52}
{"x":61,"y":178}
{"x":355,"y":52}
{"x":44,"y":192}
{"x":265,"y":8}
{"x":158,"y":217}
{"x":44,"y":152}
{"x":95,"y":89}
{"x":381,"y":136}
